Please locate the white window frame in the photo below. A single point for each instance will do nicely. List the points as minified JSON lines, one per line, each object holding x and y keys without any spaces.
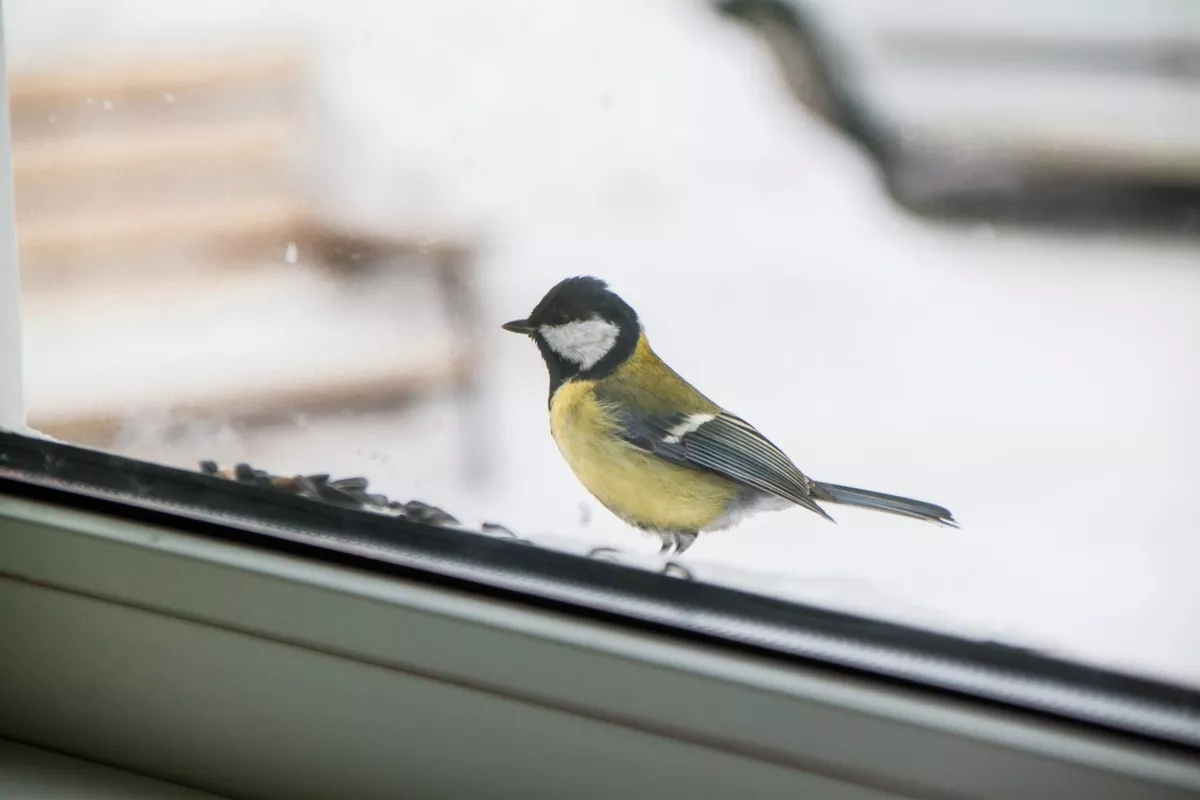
{"x":12,"y":399}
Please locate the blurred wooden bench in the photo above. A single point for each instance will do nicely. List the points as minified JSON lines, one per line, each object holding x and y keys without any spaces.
{"x":152,"y":172}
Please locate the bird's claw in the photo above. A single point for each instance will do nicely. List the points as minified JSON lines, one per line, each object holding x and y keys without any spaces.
{"x":604,"y":554}
{"x":674,"y":569}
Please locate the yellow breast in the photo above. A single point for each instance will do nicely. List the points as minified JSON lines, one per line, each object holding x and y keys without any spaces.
{"x":640,"y":488}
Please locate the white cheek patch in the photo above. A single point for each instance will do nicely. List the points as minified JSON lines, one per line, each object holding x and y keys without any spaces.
{"x":585,"y":342}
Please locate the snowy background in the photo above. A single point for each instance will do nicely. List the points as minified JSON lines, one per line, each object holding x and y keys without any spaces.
{"x":1044,"y":386}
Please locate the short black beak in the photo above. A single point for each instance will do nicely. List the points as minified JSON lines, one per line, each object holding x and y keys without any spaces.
{"x":518,"y":326}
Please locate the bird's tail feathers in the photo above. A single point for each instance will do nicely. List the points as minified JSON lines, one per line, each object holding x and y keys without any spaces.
{"x":878,"y":501}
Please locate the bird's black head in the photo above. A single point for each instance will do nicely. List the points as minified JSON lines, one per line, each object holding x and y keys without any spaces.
{"x":581,"y":328}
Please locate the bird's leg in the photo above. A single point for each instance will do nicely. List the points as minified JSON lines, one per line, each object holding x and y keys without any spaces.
{"x":674,"y":545}
{"x":683,"y":540}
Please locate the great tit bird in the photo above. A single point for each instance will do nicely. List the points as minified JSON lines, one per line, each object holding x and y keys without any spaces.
{"x":650,"y":447}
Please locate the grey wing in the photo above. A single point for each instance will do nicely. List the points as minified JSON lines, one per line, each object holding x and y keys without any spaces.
{"x":726,"y":445}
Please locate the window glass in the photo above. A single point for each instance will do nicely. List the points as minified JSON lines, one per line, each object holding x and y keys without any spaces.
{"x":933,"y":249}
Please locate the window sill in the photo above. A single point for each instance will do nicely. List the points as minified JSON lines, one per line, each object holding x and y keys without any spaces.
{"x":234,"y":670}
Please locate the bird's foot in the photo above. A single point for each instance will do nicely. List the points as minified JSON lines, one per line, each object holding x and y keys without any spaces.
{"x":604,"y":554}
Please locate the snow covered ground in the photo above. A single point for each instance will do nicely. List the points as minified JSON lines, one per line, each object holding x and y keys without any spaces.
{"x":1043,"y":387}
